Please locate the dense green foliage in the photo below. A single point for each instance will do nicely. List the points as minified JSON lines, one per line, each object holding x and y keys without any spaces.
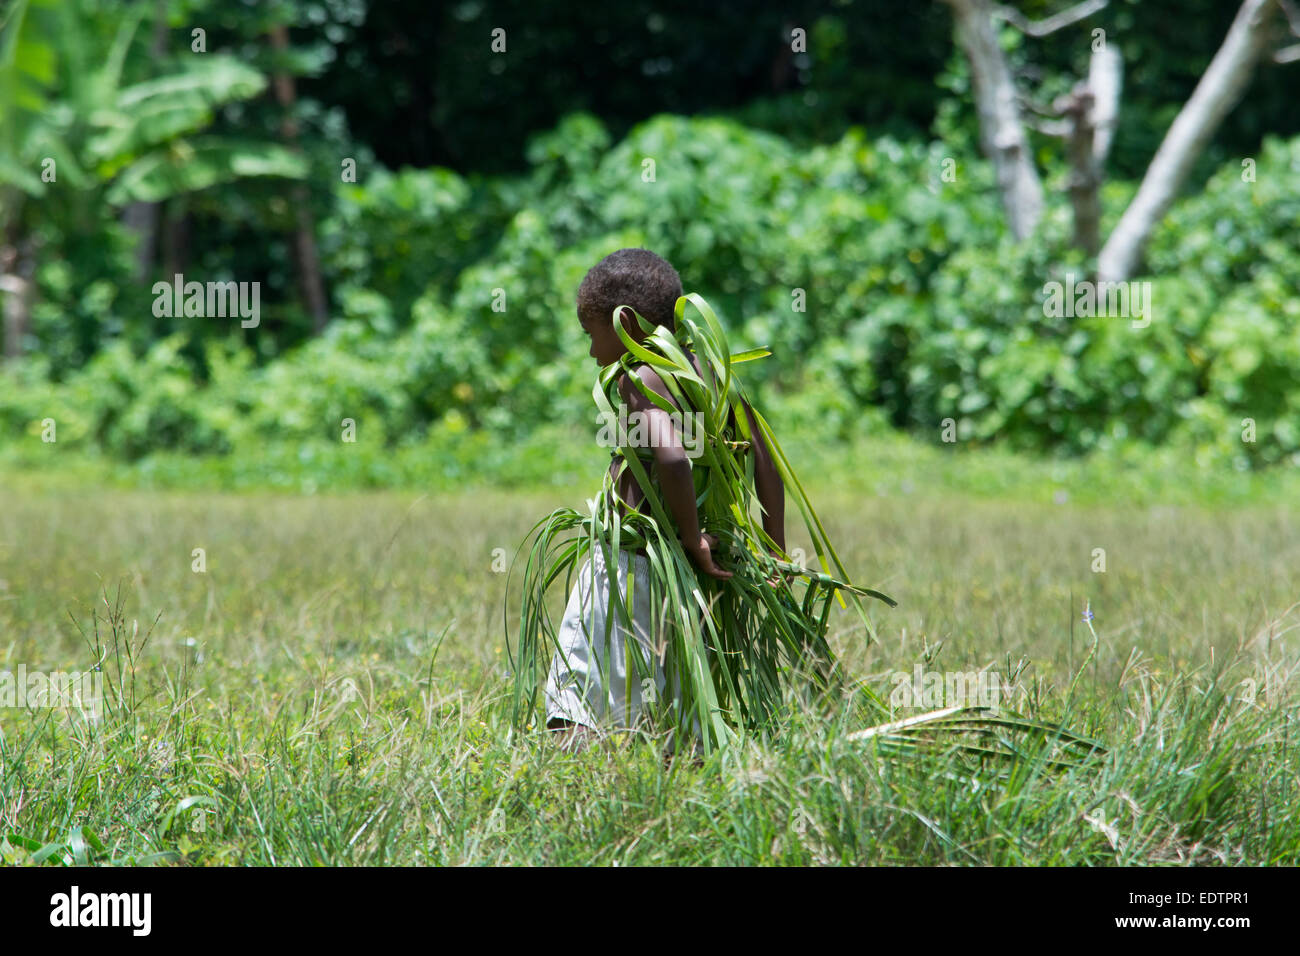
{"x":888,"y":291}
{"x":422,"y":85}
{"x":914,"y":301}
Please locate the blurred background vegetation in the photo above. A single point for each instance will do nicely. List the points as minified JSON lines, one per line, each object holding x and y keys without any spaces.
{"x":216,"y":139}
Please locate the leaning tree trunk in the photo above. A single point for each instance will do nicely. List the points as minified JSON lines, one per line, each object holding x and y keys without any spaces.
{"x":1218,"y":91}
{"x":1002,"y":135}
{"x":306,"y":257}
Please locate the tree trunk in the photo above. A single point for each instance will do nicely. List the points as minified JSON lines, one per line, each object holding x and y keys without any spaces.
{"x":17,"y":268}
{"x":1091,"y":110}
{"x":176,"y":240}
{"x":143,"y":218}
{"x":18,"y":299}
{"x":1002,"y":134}
{"x":1085,"y":173}
{"x":1220,"y":88}
{"x":306,"y":258}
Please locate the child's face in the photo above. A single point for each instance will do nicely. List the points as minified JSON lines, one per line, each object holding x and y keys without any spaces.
{"x":606,"y":346}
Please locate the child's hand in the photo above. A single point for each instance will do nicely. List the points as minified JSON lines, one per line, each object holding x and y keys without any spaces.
{"x":701,"y":553}
{"x":781,"y":576}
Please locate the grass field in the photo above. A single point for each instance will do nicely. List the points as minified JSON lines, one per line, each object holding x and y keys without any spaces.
{"x":332,"y":688}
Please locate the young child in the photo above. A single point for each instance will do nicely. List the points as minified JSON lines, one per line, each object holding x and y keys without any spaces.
{"x":594,"y":683}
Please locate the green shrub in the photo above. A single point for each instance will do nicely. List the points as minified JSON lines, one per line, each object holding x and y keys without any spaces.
{"x":887,"y":291}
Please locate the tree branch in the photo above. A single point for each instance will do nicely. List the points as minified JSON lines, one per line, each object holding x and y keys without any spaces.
{"x":1218,"y":91}
{"x":1002,"y":136}
{"x":1058,"y":21}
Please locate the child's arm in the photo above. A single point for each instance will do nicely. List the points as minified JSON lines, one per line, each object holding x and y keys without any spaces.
{"x":768,"y":484}
{"x":673,"y":468}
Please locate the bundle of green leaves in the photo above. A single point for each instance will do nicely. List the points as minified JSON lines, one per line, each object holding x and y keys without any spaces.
{"x":733,"y":645}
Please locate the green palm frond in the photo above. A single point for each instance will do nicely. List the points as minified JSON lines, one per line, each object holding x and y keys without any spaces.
{"x":980,"y":734}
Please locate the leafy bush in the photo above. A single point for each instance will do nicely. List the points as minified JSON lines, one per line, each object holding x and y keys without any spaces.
{"x":887,"y":291}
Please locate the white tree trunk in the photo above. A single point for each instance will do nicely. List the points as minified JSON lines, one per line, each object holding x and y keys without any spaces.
{"x":1105,"y":79}
{"x":1218,"y":91}
{"x":1002,"y":135}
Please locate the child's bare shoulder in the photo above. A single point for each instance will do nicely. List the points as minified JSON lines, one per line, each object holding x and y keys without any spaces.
{"x":632,"y":394}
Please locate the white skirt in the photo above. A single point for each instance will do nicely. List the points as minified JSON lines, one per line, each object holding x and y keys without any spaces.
{"x":602,"y":680}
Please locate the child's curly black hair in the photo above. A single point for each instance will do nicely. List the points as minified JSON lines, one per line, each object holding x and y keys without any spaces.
{"x":635,"y":277}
